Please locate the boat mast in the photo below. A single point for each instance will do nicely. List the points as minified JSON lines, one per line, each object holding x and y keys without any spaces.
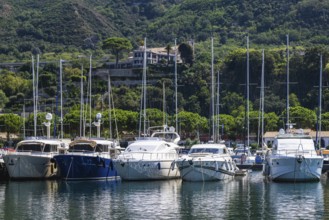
{"x":318,"y":141}
{"x":90,"y":66}
{"x":143,"y":95}
{"x":164,"y":103}
{"x":34,"y":99}
{"x":288,"y":120}
{"x":144,"y":83}
{"x":82,"y":122}
{"x":176,"y":110}
{"x":212,"y":90}
{"x":110,"y":106}
{"x":61,"y":93}
{"x":37,"y":88}
{"x":219,"y":137}
{"x":262,"y":99}
{"x":247,"y":115}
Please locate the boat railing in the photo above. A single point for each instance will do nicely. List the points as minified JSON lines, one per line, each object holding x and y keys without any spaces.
{"x":30,"y":152}
{"x":296,"y":152}
{"x":149,"y":155}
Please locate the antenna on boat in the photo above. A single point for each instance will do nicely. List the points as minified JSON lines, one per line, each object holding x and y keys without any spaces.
{"x":98,"y":124}
{"x":49,"y":116}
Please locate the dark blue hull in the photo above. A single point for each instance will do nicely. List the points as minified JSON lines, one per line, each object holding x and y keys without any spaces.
{"x":83,"y":167}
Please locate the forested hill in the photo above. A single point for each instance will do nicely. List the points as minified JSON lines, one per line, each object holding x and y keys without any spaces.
{"x":69,"y":25}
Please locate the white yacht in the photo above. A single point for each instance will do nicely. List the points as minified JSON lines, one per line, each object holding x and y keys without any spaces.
{"x":33,"y":159}
{"x":293,"y":158}
{"x":207,"y":162}
{"x":150,"y":158}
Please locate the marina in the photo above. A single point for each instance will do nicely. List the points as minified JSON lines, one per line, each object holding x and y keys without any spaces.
{"x":244,"y":197}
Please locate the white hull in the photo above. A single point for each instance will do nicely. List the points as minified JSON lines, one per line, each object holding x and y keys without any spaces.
{"x":21,"y":166}
{"x":205,"y":170}
{"x":291,"y":168}
{"x":132,"y":169}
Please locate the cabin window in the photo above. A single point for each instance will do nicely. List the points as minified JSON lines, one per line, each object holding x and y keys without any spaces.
{"x":50,"y":148}
{"x":206,"y":150}
{"x":102,"y":148}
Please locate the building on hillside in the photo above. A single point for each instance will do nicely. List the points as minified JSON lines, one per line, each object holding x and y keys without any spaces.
{"x":154,"y":56}
{"x":270,"y":135}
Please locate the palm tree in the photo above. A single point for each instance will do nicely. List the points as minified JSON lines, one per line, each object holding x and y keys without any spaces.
{"x":168,"y":49}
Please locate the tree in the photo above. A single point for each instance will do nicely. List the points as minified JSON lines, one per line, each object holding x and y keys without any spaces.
{"x":186,"y":53}
{"x":191,"y":123}
{"x":12,"y":123}
{"x":116,"y":45}
{"x":301,"y":117}
{"x":3,"y":99}
{"x":168,"y":49}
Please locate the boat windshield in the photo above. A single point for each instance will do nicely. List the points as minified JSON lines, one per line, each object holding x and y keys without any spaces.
{"x":206,"y":150}
{"x":29,"y":147}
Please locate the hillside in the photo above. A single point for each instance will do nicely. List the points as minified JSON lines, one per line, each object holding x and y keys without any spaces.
{"x":75,"y":25}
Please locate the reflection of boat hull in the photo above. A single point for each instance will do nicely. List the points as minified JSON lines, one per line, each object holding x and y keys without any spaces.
{"x":83,"y":167}
{"x":29,"y":166}
{"x":200,"y":170}
{"x":132,"y":169}
{"x":293,"y":168}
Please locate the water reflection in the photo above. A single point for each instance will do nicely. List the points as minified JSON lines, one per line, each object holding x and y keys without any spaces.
{"x":248,"y":197}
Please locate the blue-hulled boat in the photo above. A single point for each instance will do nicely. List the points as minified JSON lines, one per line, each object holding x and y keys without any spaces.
{"x":88,"y":159}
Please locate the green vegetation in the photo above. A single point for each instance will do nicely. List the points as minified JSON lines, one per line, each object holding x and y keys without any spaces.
{"x":107,"y":30}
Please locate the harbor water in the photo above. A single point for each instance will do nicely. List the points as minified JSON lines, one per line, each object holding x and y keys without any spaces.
{"x":244,"y":197}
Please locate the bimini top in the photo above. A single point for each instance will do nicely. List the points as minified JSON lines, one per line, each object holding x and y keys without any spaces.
{"x":39,"y":145}
{"x":90,"y":145}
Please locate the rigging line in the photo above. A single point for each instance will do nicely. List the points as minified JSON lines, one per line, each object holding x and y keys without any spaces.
{"x":68,"y":172}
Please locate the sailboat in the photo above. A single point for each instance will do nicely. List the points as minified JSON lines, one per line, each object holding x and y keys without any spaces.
{"x":293,"y":156}
{"x":210,"y":161}
{"x":242,"y":153}
{"x":89,"y":158}
{"x":152,"y":156}
{"x":32,"y":158}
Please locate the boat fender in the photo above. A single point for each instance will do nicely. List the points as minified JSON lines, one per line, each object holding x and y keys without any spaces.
{"x":172,"y":165}
{"x":52,"y":160}
{"x":159,"y":166}
{"x":122,"y":163}
{"x":190,"y":162}
{"x":216,"y":166}
{"x":98,"y":159}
